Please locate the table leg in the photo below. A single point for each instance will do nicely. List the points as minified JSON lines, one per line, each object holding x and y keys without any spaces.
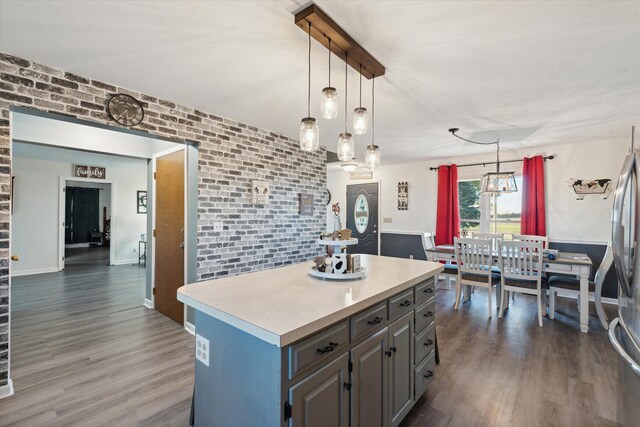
{"x":584,"y":302}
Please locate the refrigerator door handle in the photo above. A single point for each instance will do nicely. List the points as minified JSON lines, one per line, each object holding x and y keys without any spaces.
{"x":617,"y":231}
{"x":616,"y":344}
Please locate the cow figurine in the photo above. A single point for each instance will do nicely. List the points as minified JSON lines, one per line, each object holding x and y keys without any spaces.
{"x":590,"y":186}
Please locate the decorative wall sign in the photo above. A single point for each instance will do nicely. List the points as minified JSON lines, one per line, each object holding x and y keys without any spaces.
{"x":361,"y":173}
{"x":590,"y":186}
{"x":83,"y":171}
{"x":141,"y":200}
{"x":403,"y":196}
{"x":260,"y":192}
{"x":306,"y":204}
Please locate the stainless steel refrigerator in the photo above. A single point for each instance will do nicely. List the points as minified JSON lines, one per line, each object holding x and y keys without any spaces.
{"x":624,"y":331}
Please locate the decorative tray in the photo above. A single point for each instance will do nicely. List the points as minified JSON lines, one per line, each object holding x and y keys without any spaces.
{"x":333,"y":276}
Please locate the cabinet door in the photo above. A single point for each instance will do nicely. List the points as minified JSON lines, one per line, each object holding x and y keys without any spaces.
{"x":400,"y":368}
{"x":369,"y":380}
{"x":322,"y":399}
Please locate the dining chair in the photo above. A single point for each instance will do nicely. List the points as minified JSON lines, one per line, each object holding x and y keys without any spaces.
{"x":450,"y":271}
{"x":474,"y":258}
{"x":533,"y":239}
{"x":494,"y":237}
{"x":521,"y":265}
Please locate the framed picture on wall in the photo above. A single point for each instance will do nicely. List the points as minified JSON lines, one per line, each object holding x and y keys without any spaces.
{"x":141,"y":197}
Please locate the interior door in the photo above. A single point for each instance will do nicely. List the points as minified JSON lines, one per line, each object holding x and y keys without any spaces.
{"x":168,"y":252}
{"x":362,"y":217}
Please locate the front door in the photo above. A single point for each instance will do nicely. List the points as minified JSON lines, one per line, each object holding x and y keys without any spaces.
{"x":168,"y":250}
{"x":362,"y":217}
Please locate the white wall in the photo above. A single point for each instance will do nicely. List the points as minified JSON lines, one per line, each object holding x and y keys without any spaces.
{"x":35,"y":217}
{"x":568,"y":219}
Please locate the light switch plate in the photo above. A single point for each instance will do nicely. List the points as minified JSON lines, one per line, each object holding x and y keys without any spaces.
{"x":217,"y":226}
{"x":387,"y":220}
{"x":202,"y":349}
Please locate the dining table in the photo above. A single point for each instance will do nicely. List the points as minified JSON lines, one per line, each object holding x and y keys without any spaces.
{"x":568,"y":263}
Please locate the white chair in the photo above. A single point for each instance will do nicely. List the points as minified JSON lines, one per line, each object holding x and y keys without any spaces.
{"x":533,"y":239}
{"x":450,"y":270}
{"x":521,"y":265}
{"x":494,"y":237}
{"x":474,"y":258}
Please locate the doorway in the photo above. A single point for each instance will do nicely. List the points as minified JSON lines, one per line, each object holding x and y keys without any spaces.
{"x":362,"y":217}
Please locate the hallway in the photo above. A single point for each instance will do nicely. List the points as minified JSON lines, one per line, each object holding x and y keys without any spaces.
{"x":86,"y":352}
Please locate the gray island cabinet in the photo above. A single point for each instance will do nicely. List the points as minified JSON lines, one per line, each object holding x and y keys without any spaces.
{"x":281,"y":348}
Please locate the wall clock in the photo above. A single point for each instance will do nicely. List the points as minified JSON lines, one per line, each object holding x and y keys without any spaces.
{"x":125,"y":109}
{"x":327,"y":197}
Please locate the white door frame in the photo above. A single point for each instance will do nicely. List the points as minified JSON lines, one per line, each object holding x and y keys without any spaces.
{"x":61,"y":216}
{"x":153,"y":222}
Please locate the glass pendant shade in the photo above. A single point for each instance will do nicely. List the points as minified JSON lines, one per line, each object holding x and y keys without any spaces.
{"x":372,"y":158}
{"x":360,"y":121}
{"x":349,"y":167}
{"x":345,"y":147}
{"x":329,"y":103}
{"x":498,"y":182}
{"x":309,"y":134}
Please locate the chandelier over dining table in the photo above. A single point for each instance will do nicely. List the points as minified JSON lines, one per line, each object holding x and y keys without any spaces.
{"x":321,"y":27}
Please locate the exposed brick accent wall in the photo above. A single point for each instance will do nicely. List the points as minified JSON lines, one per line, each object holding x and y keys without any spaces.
{"x":231,"y":154}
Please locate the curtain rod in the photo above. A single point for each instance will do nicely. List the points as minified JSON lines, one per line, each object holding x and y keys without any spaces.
{"x":493,"y":163}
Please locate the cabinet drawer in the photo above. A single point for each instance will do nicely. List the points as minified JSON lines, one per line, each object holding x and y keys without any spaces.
{"x":550,"y":266}
{"x":368,"y":321}
{"x":424,"y":374}
{"x":425,"y":291}
{"x":425,"y":314}
{"x":317,"y":348}
{"x":425,"y":343}
{"x":400,"y":304}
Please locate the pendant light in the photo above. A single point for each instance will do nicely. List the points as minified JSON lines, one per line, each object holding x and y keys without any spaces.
{"x":493,"y":182}
{"x":345,"y":139}
{"x":329,"y":102}
{"x":309,"y":132}
{"x":360,"y":114}
{"x":349,"y":167}
{"x":372,"y":157}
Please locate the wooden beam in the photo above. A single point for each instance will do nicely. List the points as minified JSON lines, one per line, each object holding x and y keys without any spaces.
{"x":324,"y":28}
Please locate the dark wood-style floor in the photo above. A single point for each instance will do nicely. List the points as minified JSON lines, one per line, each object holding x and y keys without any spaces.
{"x":85,"y":352}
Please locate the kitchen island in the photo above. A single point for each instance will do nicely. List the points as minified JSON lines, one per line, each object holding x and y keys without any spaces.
{"x":279,"y":347}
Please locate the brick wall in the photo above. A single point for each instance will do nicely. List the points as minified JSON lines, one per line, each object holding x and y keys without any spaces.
{"x":231,"y":154}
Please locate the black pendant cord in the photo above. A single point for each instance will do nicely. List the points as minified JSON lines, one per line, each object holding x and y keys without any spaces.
{"x":346,"y":57}
{"x":373,"y":110}
{"x":329,"y":62}
{"x":309,"y":76}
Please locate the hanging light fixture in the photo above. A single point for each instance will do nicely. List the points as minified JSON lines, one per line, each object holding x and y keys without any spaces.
{"x":349,"y":167}
{"x":309,"y":132}
{"x":345,"y":139}
{"x":329,"y":102}
{"x":360,"y":114}
{"x":372,"y":157}
{"x":493,"y":182}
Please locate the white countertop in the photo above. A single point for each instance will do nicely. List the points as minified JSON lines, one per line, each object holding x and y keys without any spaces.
{"x":285,"y":304}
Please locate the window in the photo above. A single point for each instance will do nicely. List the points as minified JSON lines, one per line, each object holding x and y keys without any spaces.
{"x":496,"y":213}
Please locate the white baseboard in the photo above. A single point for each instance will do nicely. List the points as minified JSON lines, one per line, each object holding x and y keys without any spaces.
{"x":148,"y":303}
{"x":125,"y":261}
{"x":6,"y":390}
{"x":34,"y":271}
{"x":190,"y":327}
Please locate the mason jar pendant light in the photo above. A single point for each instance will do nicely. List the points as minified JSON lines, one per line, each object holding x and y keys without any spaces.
{"x":329,"y":102}
{"x":372,"y":158}
{"x":345,"y":139}
{"x":309,"y":132}
{"x":360,"y":114}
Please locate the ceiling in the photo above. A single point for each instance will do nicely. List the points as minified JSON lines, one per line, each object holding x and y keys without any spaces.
{"x":533,"y":73}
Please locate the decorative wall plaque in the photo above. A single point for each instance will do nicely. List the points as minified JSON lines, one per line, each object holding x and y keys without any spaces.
{"x":83,"y":171}
{"x":361,"y":173}
{"x":403,"y":196}
{"x":306,"y":204}
{"x":590,"y":186}
{"x":260,"y":192}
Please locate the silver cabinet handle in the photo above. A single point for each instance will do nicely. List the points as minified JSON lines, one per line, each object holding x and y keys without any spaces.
{"x":617,"y":231}
{"x":616,"y":344}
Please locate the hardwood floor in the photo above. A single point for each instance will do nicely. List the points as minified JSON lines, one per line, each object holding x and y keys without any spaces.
{"x":84,"y":352}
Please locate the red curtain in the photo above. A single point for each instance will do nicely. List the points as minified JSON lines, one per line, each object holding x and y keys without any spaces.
{"x":448,"y":214}
{"x":533,"y":210}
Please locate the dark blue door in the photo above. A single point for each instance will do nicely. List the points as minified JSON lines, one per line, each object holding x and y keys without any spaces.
{"x":362,"y":217}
